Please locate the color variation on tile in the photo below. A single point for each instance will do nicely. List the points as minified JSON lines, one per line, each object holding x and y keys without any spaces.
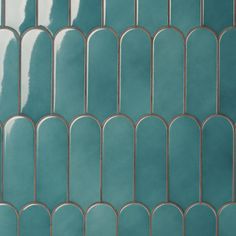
{"x":167,"y":219}
{"x":67,"y":220}
{"x":184,"y":161}
{"x":20,"y":14}
{"x":86,"y":14}
{"x":36,"y":73}
{"x":69,"y":73}
{"x":18,"y":163}
{"x":101,"y":219}
{"x":217,"y":160}
{"x":118,"y":161}
{"x":201,"y":73}
{"x":200,"y":219}
{"x":135,"y":73}
{"x":85,"y":158}
{"x":53,"y":14}
{"x":151,"y":137}
{"x":35,"y":220}
{"x":168,"y":64}
{"x":52,"y":161}
{"x":9,"y":73}
{"x":134,"y":219}
{"x":102,"y":79}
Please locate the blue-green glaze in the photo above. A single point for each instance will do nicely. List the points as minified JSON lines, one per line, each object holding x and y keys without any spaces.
{"x":151,"y":134}
{"x":134,"y":220}
{"x":168,"y":73}
{"x":101,"y":219}
{"x":69,"y":59}
{"x":217,"y":161}
{"x":67,"y":220}
{"x":184,"y":161}
{"x":118,"y":161}
{"x":35,"y":220}
{"x":9,"y":73}
{"x":18,"y":168}
{"x":52,"y":161}
{"x":135,"y":70}
{"x":102,"y":80}
{"x":36,"y":73}
{"x":201,"y":73}
{"x":200,"y":219}
{"x":85,"y":149}
{"x":167,"y":219}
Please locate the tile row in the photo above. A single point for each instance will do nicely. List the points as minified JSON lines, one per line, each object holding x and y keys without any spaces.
{"x":89,"y":14}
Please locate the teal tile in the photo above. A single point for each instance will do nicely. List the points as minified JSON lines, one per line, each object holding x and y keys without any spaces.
{"x":52,"y":161}
{"x":227,"y":73}
{"x":218,"y":14}
{"x":86,"y":14}
{"x":120,"y":14}
{"x":69,"y":67}
{"x":36,"y":73}
{"x":200,"y":219}
{"x":8,"y":220}
{"x":151,"y":137}
{"x":201,"y":73}
{"x":18,"y":164}
{"x":102,"y":80}
{"x":184,"y":161}
{"x":134,"y":220}
{"x":53,"y":14}
{"x":9,"y":73}
{"x":67,"y":220}
{"x":118,"y":161}
{"x":185,"y":14}
{"x":35,"y":220}
{"x":135,"y":69}
{"x":152,"y":14}
{"x":217,"y":160}
{"x":20,"y":14}
{"x":101,"y":219}
{"x":168,"y":65}
{"x":167,"y":219}
{"x":85,"y":158}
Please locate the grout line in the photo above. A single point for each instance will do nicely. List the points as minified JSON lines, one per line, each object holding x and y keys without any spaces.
{"x":185,"y":76}
{"x":136,"y":12}
{"x":217,"y":76}
{"x":169,"y":14}
{"x":3,"y":12}
{"x":103,"y":13}
{"x":234,"y":13}
{"x":152,"y":76}
{"x":202,"y":3}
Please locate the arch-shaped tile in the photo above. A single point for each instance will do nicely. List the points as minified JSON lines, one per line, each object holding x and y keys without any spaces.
{"x":36,"y":73}
{"x":69,"y":66}
{"x":101,"y":219}
{"x":184,"y":161}
{"x":9,"y":220}
{"x":35,"y":220}
{"x":152,"y":14}
{"x":18,"y":164}
{"x":135,"y":69}
{"x":52,"y":161}
{"x":9,"y":73}
{"x":67,"y":220}
{"x":102,"y":83}
{"x":151,"y":134}
{"x":118,"y":161}
{"x":218,"y":14}
{"x":134,"y":219}
{"x":168,"y":73}
{"x":200,"y":219}
{"x":86,"y":14}
{"x":185,"y":14}
{"x":217,"y":161}
{"x":201,"y":73}
{"x":85,"y":157}
{"x":20,"y":14}
{"x":53,"y":14}
{"x":167,"y":219}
